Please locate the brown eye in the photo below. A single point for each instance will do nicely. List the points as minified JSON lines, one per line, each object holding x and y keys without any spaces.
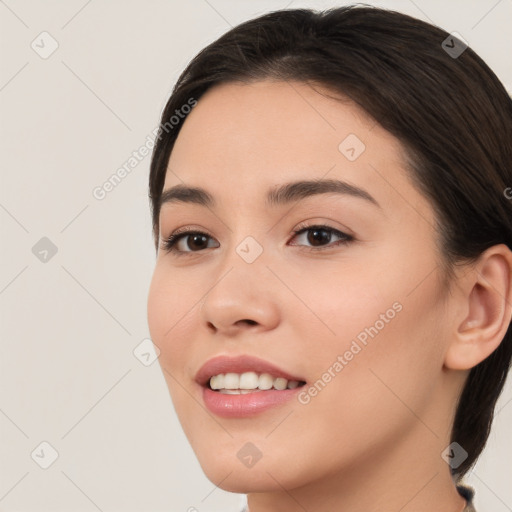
{"x":319,"y":236}
{"x":196,"y":241}
{"x":186,"y":242}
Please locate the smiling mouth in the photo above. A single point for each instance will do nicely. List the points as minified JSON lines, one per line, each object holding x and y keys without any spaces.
{"x":249,"y":382}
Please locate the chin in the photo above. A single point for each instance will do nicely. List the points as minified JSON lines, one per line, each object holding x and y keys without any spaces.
{"x":238,"y":479}
{"x":231,"y":468}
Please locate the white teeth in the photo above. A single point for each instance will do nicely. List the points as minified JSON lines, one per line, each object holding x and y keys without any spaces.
{"x":280,"y":383}
{"x":249,"y":380}
{"x":217,"y":382}
{"x":234,"y":383}
{"x":231,"y":381}
{"x":266,"y":381}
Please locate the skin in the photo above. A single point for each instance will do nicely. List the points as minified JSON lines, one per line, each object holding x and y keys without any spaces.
{"x":372,"y":439}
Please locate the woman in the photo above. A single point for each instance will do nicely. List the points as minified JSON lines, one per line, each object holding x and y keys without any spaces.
{"x":332,"y":291}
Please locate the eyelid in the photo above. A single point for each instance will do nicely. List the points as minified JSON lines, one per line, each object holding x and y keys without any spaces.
{"x":324,"y":223}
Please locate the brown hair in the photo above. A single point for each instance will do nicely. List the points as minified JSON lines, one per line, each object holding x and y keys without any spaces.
{"x":439,"y":99}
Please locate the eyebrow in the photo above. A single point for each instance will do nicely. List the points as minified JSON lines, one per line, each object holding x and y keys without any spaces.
{"x":280,"y":195}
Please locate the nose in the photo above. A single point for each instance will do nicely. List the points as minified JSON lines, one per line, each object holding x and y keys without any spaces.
{"x":245,"y":297}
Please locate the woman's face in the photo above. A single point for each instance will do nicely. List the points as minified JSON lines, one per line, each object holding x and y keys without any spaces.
{"x":355,"y":310}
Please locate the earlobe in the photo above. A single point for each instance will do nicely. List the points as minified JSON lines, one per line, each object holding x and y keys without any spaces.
{"x":487,"y":296}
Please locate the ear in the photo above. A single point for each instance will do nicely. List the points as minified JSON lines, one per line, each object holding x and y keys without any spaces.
{"x":485,"y":293}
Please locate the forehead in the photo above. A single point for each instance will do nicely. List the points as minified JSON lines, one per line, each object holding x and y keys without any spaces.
{"x":268,"y":121}
{"x":243,"y":138}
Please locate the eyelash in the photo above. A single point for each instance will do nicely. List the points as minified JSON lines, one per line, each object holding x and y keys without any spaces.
{"x":169,"y":243}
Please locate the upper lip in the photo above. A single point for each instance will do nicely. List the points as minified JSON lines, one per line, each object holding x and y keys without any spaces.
{"x":240,"y":364}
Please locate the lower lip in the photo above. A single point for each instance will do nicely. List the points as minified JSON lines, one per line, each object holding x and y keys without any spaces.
{"x":242,"y":406}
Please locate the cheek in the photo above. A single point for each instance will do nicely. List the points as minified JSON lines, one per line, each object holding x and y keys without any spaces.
{"x":391,"y":352}
{"x":170,"y":311}
{"x":332,"y":299}
{"x":387,"y":341}
{"x":170,"y":307}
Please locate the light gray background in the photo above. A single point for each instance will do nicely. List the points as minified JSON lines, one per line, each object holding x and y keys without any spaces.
{"x":69,"y":325}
